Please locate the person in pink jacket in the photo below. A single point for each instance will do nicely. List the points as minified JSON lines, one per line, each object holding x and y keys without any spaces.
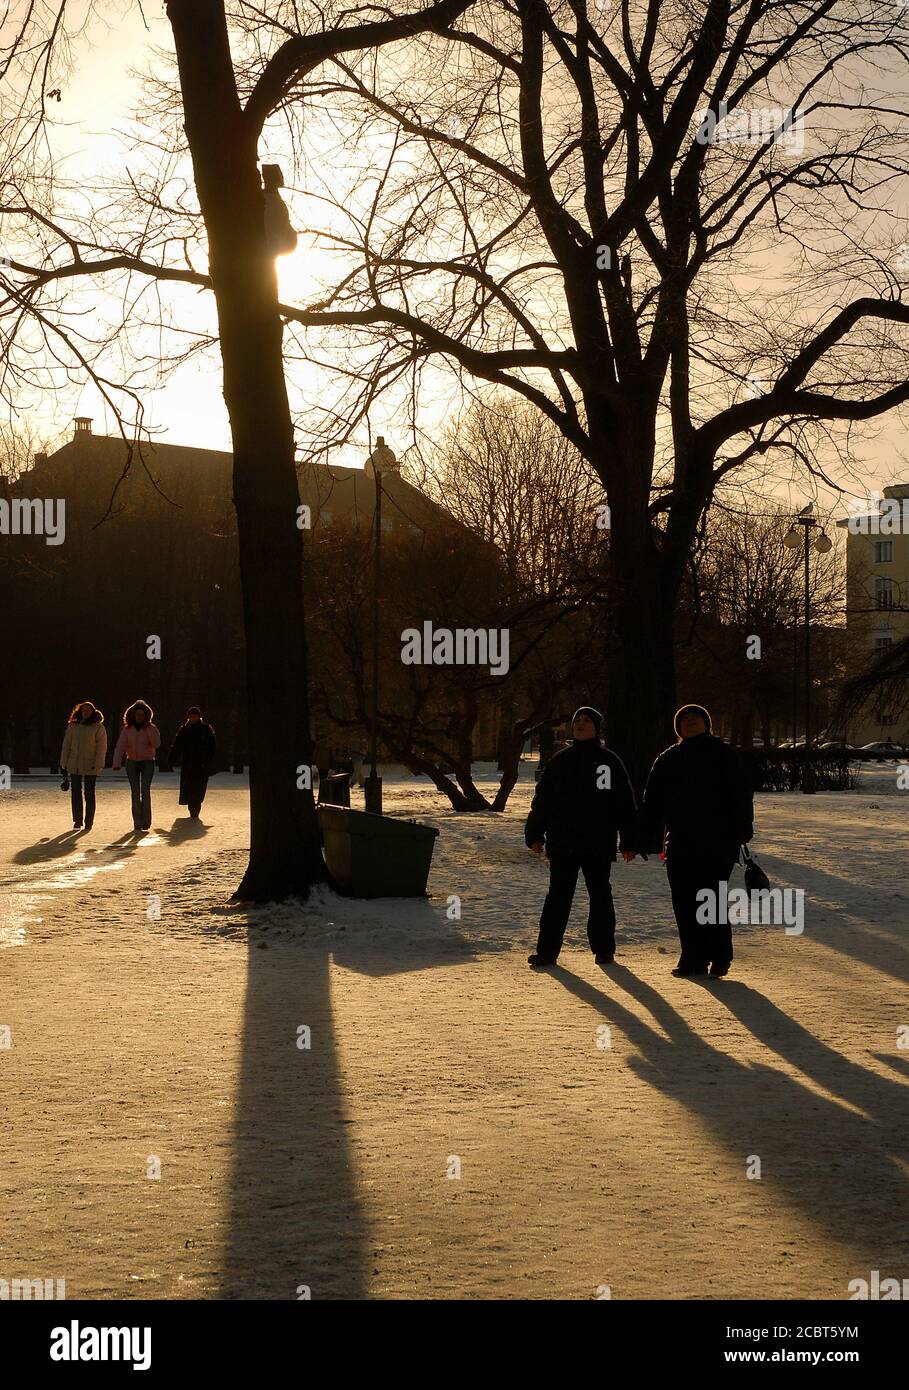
{"x":138,"y":743}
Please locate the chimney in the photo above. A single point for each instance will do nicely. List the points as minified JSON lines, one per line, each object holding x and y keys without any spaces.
{"x":83,"y":424}
{"x":40,"y":457}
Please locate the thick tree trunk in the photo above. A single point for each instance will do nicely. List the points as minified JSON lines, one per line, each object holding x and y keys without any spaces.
{"x":285,"y":853}
{"x":641,"y":695}
{"x":641,"y":683}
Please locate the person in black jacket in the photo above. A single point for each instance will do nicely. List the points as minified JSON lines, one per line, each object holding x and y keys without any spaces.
{"x":194,"y":749}
{"x":698,"y":792}
{"x":583,"y":801}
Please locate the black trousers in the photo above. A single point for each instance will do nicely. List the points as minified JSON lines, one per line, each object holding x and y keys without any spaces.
{"x":193,"y":785}
{"x":689,"y":874}
{"x":564,"y":866}
{"x":76,"y":780}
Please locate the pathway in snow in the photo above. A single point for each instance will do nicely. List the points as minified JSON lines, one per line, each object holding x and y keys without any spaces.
{"x":602,"y":1123}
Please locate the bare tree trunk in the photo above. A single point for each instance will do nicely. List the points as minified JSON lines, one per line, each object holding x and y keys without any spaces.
{"x":547,"y":745}
{"x":463,"y":762}
{"x":473,"y":798}
{"x":427,"y":768}
{"x":511,"y":745}
{"x":641,"y":691}
{"x":642,"y":695}
{"x":21,"y":763}
{"x":285,"y":854}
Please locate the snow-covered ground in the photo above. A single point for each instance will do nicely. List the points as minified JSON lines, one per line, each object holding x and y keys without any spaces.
{"x":459,"y":1126}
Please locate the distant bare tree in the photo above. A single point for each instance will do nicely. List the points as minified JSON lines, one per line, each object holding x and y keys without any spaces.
{"x":884,"y":682}
{"x":746,"y":584}
{"x":514,"y":479}
{"x":18,"y":446}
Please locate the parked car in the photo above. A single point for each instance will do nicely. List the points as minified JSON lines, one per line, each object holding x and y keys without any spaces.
{"x":882,"y":750}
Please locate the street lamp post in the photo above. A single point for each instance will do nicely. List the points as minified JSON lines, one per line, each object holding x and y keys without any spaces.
{"x":788,"y":617}
{"x":806,"y":519}
{"x":795,"y":671}
{"x":381,"y":458}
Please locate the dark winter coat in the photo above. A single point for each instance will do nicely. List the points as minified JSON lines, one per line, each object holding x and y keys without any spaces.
{"x":571,"y":810}
{"x":194,"y":749}
{"x":699,"y":794}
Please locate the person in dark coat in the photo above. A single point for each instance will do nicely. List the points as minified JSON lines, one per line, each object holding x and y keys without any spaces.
{"x":194,"y":750}
{"x":698,"y":793}
{"x":582,"y":803}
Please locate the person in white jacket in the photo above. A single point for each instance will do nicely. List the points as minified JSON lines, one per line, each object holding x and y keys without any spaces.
{"x":138,"y":743}
{"x":82,"y":758}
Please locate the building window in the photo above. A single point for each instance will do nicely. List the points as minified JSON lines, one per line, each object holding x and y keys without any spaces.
{"x":884,"y":641}
{"x":884,"y":593}
{"x":883,"y":552}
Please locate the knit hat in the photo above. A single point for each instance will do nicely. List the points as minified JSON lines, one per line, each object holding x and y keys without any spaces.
{"x":592,"y":714}
{"x":691,"y":709}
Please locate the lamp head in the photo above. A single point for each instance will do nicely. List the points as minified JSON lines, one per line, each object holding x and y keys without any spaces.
{"x":382,"y":459}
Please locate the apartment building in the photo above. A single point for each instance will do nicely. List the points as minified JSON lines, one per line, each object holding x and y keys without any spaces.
{"x":877,"y":600}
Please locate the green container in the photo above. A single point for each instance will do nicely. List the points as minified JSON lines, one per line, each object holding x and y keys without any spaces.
{"x":372,"y":856}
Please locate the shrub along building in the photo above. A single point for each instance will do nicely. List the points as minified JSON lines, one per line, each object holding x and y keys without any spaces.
{"x":877,"y":606}
{"x":142,"y":597}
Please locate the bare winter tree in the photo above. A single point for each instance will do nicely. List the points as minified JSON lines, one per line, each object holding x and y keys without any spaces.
{"x":514,"y":480}
{"x":18,"y":446}
{"x":222,"y":111}
{"x":745,"y":583}
{"x":883,"y":683}
{"x":668,"y":226}
{"x":436,"y":719}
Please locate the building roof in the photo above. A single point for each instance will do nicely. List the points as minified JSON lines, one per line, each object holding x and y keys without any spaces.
{"x":178,"y":473}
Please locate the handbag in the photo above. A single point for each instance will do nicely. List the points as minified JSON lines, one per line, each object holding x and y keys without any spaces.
{"x":755,"y":878}
{"x":64,"y":785}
